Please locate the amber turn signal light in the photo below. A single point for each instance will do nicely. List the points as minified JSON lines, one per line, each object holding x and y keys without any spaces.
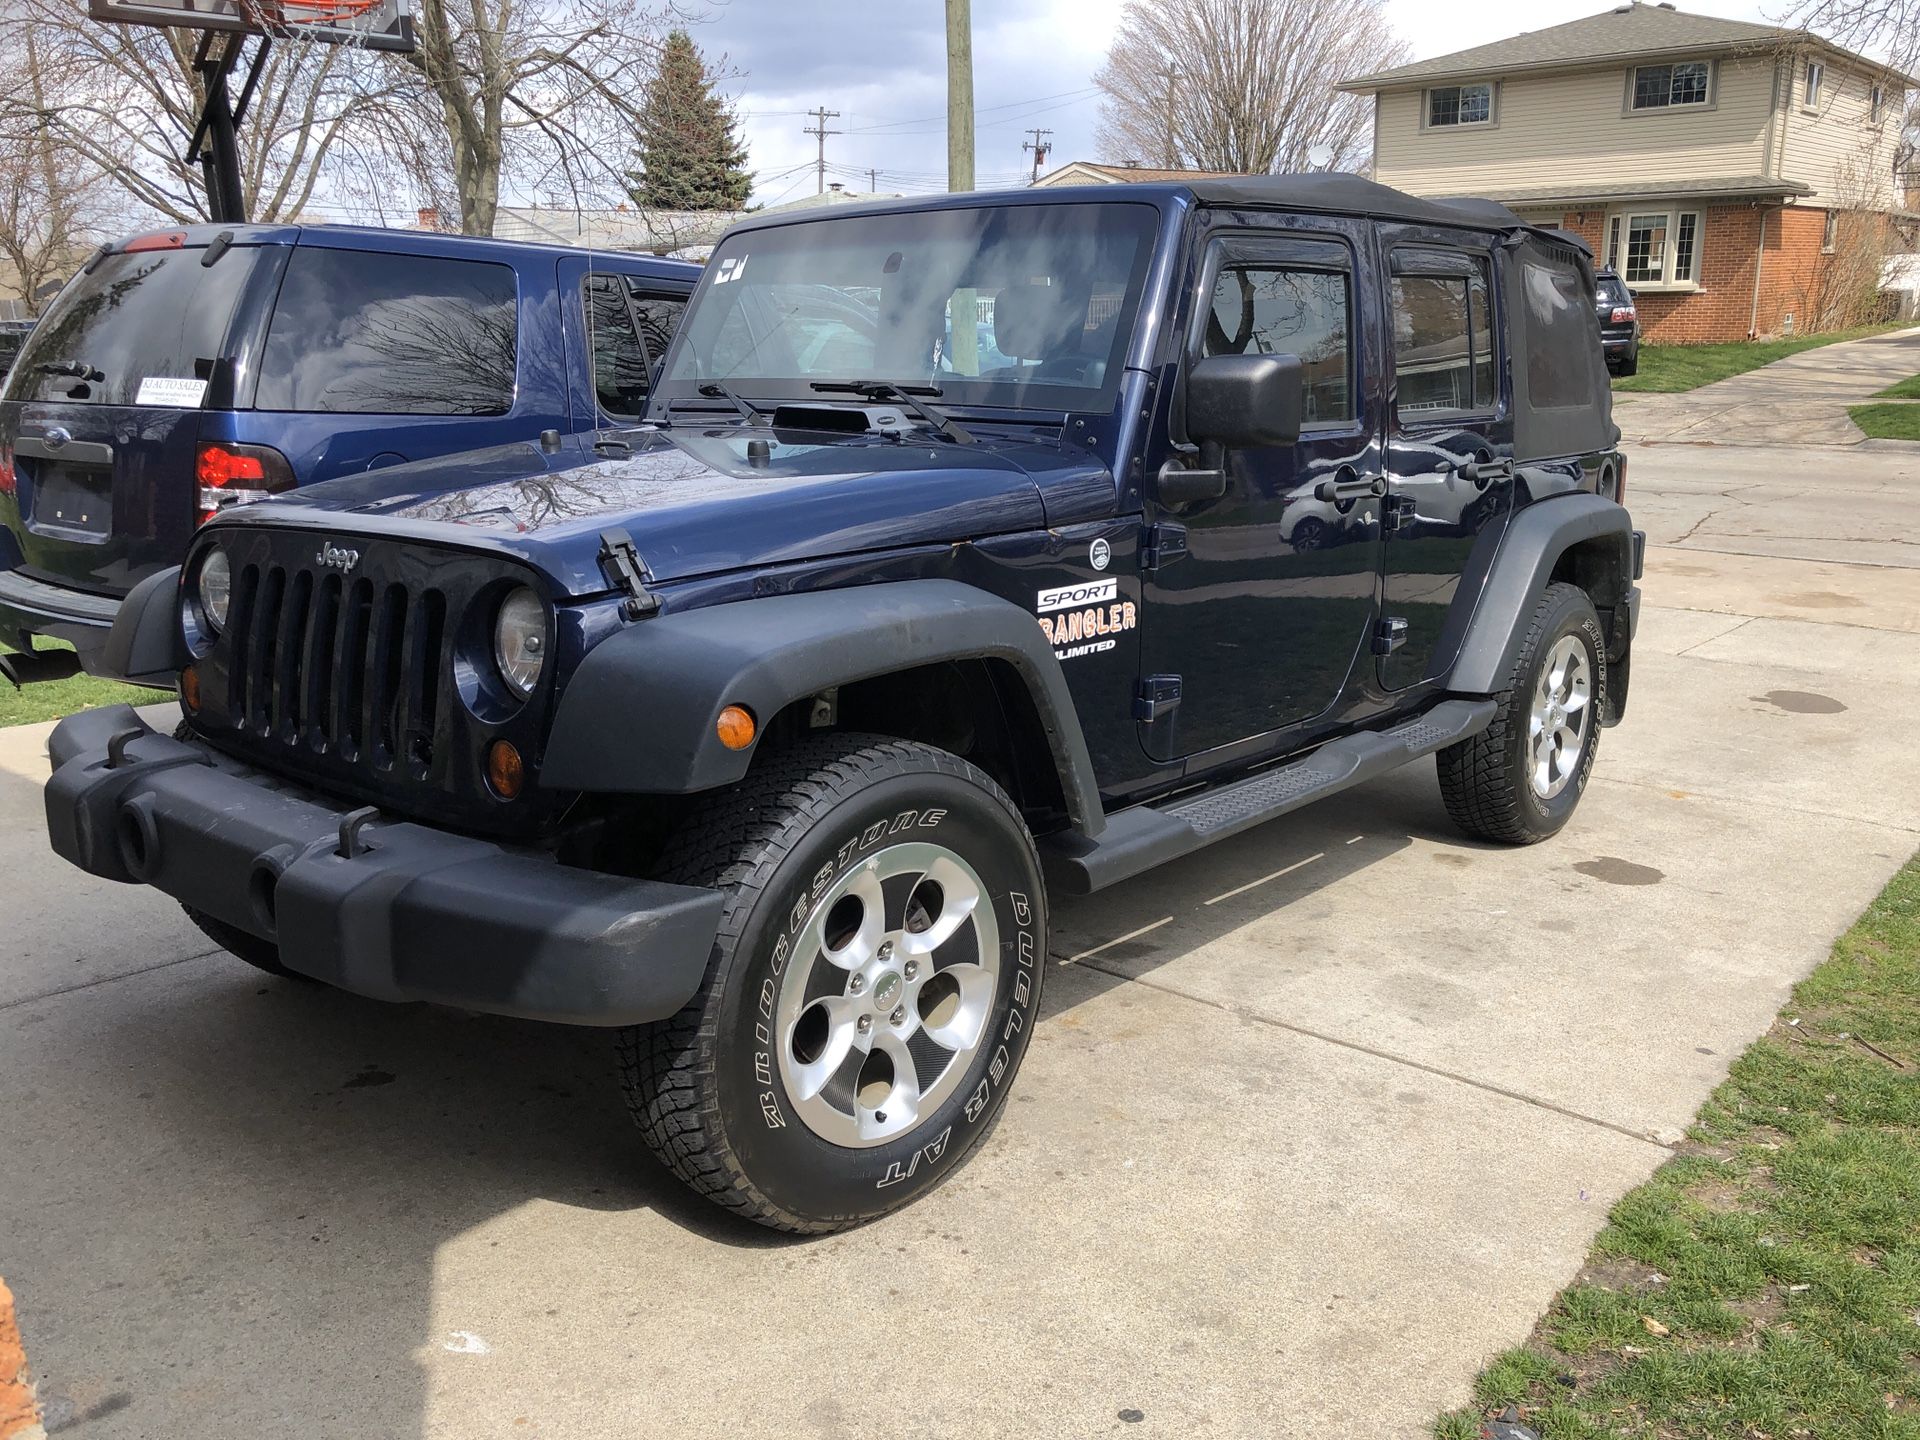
{"x":190,"y":690}
{"x":505,"y":771}
{"x":736,"y":728}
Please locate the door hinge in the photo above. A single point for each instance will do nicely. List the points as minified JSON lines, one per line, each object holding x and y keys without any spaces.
{"x":1162,"y":544}
{"x":1397,"y":512}
{"x":624,"y":567}
{"x":1158,"y":696}
{"x":1389,"y":635}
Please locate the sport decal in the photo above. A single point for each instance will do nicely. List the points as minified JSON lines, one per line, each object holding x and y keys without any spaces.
{"x":1082,"y":619}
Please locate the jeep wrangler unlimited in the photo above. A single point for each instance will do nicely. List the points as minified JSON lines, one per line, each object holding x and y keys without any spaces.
{"x":972,"y":551}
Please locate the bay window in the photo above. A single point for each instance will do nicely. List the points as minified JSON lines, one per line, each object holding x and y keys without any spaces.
{"x":1655,"y":248}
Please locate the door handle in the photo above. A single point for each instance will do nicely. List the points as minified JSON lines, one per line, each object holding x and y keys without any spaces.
{"x":1353,"y":489}
{"x":1484,"y":472}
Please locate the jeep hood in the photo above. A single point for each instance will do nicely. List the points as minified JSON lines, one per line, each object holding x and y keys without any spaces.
{"x":698,"y":502}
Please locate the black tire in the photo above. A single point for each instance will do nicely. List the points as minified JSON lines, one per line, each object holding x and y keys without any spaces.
{"x":1628,"y":366}
{"x":261,"y":954}
{"x":1486,"y":780}
{"x":1310,"y":534}
{"x":709,"y":1088}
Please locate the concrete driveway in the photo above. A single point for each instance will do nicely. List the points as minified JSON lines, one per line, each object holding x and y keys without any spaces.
{"x":1314,"y":1123}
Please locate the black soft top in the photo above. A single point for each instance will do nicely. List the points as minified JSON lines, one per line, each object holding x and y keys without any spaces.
{"x":1338,"y":194}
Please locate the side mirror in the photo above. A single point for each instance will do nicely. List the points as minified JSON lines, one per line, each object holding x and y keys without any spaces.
{"x":1243,"y":400}
{"x":1233,"y":402}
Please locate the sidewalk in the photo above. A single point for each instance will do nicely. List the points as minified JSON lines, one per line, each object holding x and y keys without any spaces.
{"x":1801,"y":400}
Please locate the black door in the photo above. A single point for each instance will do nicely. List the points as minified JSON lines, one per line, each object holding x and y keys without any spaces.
{"x":1261,"y":599}
{"x":1449,"y":445}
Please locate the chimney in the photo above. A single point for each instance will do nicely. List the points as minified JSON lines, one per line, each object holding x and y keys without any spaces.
{"x":429,"y":217}
{"x":835,"y":185}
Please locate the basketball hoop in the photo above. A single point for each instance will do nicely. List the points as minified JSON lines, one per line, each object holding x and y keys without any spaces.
{"x":290,"y":19}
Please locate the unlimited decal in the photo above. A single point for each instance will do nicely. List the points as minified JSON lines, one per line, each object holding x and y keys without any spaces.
{"x":1081,"y":619}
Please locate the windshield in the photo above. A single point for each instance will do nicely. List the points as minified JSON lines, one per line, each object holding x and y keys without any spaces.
{"x":1018,"y":305}
{"x":156,"y":316}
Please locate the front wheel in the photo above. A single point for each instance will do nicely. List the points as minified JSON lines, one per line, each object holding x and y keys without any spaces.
{"x":871,"y":991}
{"x":1519,"y":780}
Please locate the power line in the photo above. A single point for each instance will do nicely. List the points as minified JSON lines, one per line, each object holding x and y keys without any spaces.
{"x":983,"y":110}
{"x":820,"y":132}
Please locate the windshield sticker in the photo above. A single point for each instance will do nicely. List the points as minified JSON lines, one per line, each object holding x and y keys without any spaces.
{"x":730,"y":270}
{"x":171,"y":390}
{"x":1082,"y":619}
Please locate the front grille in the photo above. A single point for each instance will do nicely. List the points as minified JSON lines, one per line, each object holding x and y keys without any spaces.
{"x":338,"y":664}
{"x":360,"y":681}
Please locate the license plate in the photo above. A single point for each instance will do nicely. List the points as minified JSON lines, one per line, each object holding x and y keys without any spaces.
{"x":72,"y":499}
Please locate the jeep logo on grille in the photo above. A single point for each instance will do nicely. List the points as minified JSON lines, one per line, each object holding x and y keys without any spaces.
{"x":337,"y":557}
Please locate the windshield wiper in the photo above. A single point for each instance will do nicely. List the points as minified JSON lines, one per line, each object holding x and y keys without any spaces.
{"x":78,"y":369}
{"x":904,"y":395}
{"x":716,"y":390}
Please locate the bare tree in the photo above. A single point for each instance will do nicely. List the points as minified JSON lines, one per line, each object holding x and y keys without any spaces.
{"x":124,"y":100}
{"x":47,"y":199}
{"x":553,"y":85}
{"x":1886,"y":29}
{"x":1242,"y":85}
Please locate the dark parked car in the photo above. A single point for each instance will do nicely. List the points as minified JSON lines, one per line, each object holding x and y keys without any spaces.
{"x":767,"y":733}
{"x":1619,"y":323}
{"x":185,"y":371}
{"x":13,"y":335}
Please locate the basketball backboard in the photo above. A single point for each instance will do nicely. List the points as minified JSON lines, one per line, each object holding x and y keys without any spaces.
{"x":376,"y":24}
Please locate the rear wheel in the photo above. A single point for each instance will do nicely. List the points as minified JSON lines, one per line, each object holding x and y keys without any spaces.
{"x":870,"y":993}
{"x":1630,"y":365}
{"x":1519,"y":780}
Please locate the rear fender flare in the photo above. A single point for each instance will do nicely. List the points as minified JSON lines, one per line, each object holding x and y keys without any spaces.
{"x":639,"y":715}
{"x":1536,"y":541}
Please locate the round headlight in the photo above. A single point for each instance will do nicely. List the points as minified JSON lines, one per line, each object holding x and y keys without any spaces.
{"x":215,"y":590}
{"x":520,"y":640}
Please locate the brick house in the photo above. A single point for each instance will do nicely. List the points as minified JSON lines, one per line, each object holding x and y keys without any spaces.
{"x":1724,"y":168}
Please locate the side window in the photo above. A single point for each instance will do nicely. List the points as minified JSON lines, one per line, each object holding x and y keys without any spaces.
{"x":630,"y":333}
{"x":619,"y":359}
{"x":383,"y":334}
{"x":1274,"y":310}
{"x":1443,"y":346}
{"x":1559,"y":354}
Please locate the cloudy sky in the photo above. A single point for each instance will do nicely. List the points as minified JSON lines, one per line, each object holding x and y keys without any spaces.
{"x":883,"y":67}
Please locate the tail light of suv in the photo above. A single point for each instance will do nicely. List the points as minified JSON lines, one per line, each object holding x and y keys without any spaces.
{"x":1621,"y":314}
{"x":237,"y":474}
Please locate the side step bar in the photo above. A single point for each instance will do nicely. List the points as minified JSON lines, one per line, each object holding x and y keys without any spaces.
{"x":1145,"y":836}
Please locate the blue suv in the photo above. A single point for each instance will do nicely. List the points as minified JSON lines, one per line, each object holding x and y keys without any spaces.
{"x":186,"y":371}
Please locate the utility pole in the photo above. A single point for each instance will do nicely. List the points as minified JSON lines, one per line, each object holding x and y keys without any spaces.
{"x":820,"y":132}
{"x":959,"y":94}
{"x":1170,"y":156}
{"x":873,"y":181}
{"x":1038,"y":145}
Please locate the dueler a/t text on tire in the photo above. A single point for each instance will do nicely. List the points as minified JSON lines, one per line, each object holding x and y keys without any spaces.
{"x":1519,"y":780}
{"x":871,"y":991}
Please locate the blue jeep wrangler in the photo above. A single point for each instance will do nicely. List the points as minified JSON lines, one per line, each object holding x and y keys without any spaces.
{"x":949,"y":571}
{"x":189,"y":370}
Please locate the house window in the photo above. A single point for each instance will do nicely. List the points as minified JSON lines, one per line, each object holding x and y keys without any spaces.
{"x":1816,"y":82}
{"x":1660,"y":87}
{"x":1828,"y":234}
{"x":1460,"y":105}
{"x":1877,"y":104}
{"x":1655,"y":247}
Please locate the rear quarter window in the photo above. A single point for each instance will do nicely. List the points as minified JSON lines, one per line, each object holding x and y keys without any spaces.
{"x":153,"y":314}
{"x":367,"y":333}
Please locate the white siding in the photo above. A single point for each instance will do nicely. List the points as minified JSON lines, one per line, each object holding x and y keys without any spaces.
{"x":1837,"y":149}
{"x":1569,"y":129}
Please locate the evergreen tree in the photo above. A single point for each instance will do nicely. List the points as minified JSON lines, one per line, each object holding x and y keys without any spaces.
{"x":690,"y":153}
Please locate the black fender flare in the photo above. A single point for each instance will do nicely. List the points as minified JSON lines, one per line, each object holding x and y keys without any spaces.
{"x":1536,"y":539}
{"x":639,"y":714}
{"x":145,"y":645}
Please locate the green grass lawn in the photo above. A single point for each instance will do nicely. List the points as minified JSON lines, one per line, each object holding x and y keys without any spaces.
{"x":1888,"y":422}
{"x":1667,"y":368}
{"x":1766,"y":1282}
{"x":1907,"y":389}
{"x":50,"y":699}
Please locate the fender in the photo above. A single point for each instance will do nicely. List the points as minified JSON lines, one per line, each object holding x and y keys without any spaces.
{"x":1535,"y":541}
{"x":145,"y":645}
{"x":638,"y":715}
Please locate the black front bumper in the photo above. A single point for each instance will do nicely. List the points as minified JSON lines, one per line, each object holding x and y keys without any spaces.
{"x":383,"y":908}
{"x":33,"y":607}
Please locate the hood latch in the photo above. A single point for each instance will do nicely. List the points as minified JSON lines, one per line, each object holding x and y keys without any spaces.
{"x":625,"y":568}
